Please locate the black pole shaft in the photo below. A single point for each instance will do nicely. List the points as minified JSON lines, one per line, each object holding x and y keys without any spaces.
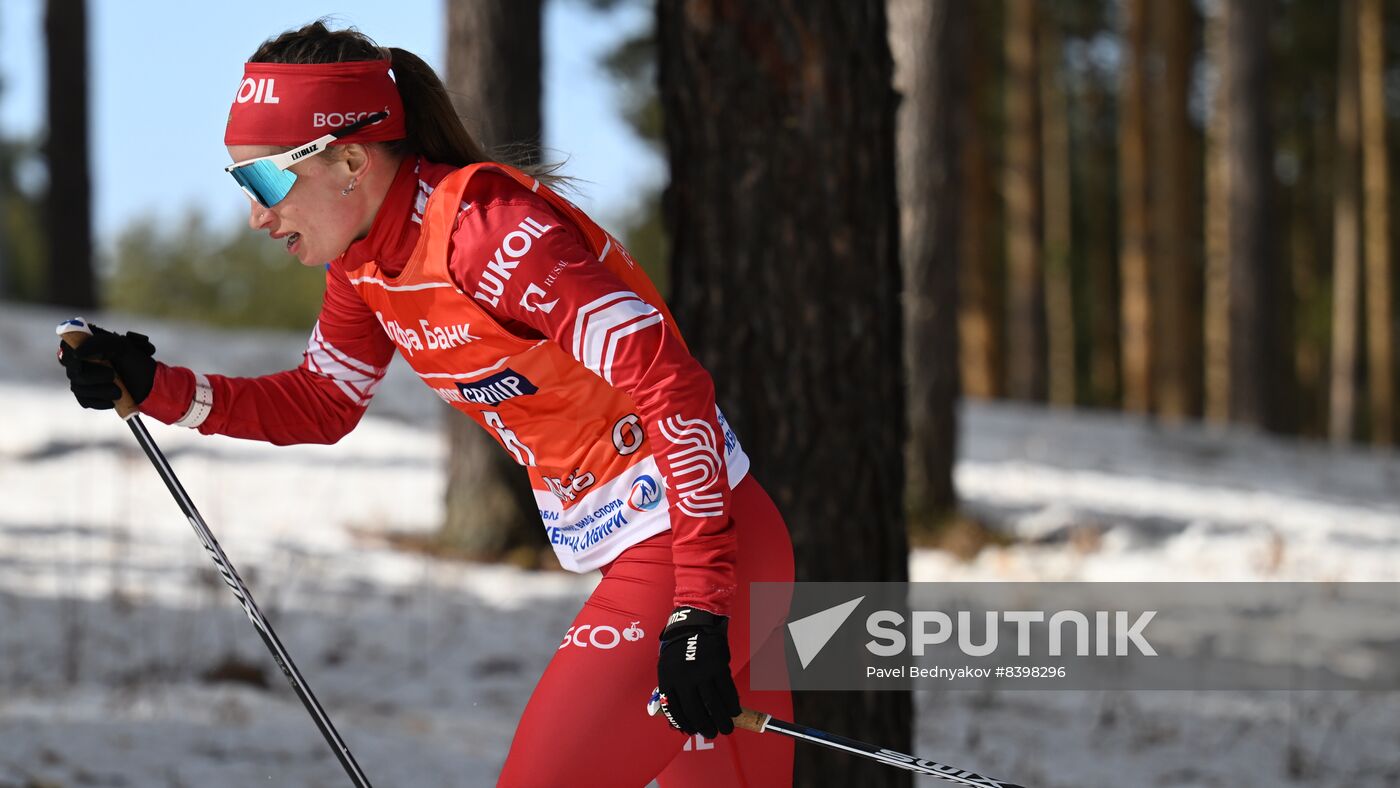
{"x":245,"y":599}
{"x":889,"y":757}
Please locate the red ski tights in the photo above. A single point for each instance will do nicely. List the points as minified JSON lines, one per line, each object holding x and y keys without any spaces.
{"x":586,"y":723}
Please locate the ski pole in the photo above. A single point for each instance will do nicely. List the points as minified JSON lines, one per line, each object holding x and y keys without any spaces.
{"x":74,"y":332}
{"x":758,"y":722}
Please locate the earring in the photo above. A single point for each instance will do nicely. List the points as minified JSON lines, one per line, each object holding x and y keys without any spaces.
{"x":346,"y":191}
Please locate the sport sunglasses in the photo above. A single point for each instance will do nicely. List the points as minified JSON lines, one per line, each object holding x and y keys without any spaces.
{"x":267,"y":179}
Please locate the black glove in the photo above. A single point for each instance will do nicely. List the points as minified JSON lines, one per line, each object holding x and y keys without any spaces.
{"x":94,"y":384}
{"x":696,"y":690}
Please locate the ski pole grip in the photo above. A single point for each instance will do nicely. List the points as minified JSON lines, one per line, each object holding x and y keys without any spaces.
{"x":751,"y":720}
{"x":74,"y":333}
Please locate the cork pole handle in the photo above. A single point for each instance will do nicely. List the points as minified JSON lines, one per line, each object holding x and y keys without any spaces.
{"x":74,"y":333}
{"x":751,"y":720}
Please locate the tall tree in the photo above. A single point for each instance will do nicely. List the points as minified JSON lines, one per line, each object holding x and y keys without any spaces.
{"x":780,"y":124}
{"x":926,"y":39}
{"x":1058,"y":201}
{"x":1021,"y":189}
{"x":981,"y":302}
{"x":1134,"y":257}
{"x":1380,"y":270}
{"x":1217,"y":228}
{"x":494,"y":67}
{"x":1303,"y":89}
{"x":1102,"y":299}
{"x":1093,"y":128}
{"x":1259,"y":389}
{"x":1176,"y":268}
{"x":68,"y":214}
{"x":1310,"y":252}
{"x":1346,"y":237}
{"x":494,"y":75}
{"x":5,"y":191}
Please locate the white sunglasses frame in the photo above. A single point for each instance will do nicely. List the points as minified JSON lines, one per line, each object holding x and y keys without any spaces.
{"x":287,"y":158}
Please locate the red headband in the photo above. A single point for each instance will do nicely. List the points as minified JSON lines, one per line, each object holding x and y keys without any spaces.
{"x":293,"y":103}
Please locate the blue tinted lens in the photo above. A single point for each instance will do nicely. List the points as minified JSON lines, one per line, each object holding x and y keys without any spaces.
{"x":264,"y":181}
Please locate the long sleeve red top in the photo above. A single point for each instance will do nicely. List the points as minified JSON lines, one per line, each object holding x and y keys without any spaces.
{"x":321,"y":400}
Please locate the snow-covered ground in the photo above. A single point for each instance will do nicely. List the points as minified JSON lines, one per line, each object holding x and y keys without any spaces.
{"x":125,"y":662}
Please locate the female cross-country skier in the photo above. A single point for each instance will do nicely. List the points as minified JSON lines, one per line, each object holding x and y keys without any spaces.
{"x":522,"y":313}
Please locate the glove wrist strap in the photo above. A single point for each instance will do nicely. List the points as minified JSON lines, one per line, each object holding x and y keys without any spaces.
{"x":685,"y":618}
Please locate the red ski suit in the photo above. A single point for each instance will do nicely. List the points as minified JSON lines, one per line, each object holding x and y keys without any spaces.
{"x":529,"y":295}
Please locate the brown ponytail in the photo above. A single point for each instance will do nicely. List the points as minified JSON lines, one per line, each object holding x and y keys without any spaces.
{"x":434,"y":130}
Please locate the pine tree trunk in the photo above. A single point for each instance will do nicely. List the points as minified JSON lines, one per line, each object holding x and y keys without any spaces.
{"x":1311,"y":256}
{"x":1175,"y":257}
{"x":494,"y":76}
{"x":981,"y":303}
{"x":1099,"y":251}
{"x":925,"y":39}
{"x":1058,"y":200}
{"x":1346,"y":238}
{"x":1309,"y":251}
{"x":1259,"y":388}
{"x":5,"y":294}
{"x":1306,"y":92}
{"x":1217,"y":220}
{"x":68,"y":212}
{"x":1380,"y":270}
{"x":1021,"y":189}
{"x":780,"y":124}
{"x":1134,"y":256}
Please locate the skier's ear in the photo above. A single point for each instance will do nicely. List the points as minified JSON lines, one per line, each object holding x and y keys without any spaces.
{"x":356,"y":158}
